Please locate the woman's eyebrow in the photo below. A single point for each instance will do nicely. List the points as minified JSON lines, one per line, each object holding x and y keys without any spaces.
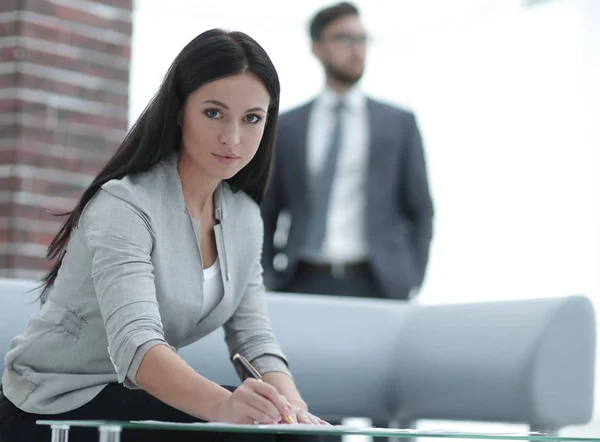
{"x":224,"y":106}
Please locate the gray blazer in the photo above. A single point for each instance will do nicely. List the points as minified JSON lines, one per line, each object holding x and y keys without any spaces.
{"x":399,"y":206}
{"x":131,"y":279}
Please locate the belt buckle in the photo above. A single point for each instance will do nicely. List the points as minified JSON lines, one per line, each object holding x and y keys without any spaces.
{"x":338,"y":271}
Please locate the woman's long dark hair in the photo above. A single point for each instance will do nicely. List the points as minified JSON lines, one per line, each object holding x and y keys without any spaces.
{"x":212,"y":55}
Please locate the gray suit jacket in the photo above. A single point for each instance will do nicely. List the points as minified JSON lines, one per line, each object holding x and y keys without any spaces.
{"x":131,"y":279}
{"x":399,"y":207}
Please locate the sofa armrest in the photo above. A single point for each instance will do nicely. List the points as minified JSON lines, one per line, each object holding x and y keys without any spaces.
{"x":340,"y":351}
{"x":529,"y":361}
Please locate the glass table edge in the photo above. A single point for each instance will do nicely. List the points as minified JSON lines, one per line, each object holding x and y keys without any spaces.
{"x":398,"y":433}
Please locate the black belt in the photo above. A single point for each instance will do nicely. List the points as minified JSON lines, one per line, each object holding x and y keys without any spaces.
{"x":338,"y":270}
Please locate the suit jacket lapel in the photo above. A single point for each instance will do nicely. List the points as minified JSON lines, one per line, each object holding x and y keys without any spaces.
{"x":377,"y":149}
{"x":300,"y":145}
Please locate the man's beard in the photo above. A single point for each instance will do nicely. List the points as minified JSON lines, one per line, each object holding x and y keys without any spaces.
{"x":342,"y":77}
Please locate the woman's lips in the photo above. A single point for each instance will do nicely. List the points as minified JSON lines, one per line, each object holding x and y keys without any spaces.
{"x":227,"y":159}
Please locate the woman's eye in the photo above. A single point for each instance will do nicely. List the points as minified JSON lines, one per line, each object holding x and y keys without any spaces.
{"x":252,"y":118}
{"x":213,"y":113}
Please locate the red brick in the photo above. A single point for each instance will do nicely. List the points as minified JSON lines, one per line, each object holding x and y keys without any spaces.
{"x":44,"y":7}
{"x":8,"y":28}
{"x":8,"y":156}
{"x":9,"y":131}
{"x":8,"y":53}
{"x":42,"y":187}
{"x":105,"y":122}
{"x":30,"y":263}
{"x":83,"y":65}
{"x":9,"y":5}
{"x":35,"y":128}
{"x":121,"y":4}
{"x":64,"y":35}
{"x":31,"y":108}
{"x":88,"y":165}
{"x":7,"y":106}
{"x":33,"y":82}
{"x":12,"y":184}
{"x":96,"y":142}
{"x":27,"y":211}
{"x":25,"y":236}
{"x":74,"y":15}
{"x":8,"y":81}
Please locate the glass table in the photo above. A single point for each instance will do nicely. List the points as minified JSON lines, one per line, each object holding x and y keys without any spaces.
{"x":110,"y":431}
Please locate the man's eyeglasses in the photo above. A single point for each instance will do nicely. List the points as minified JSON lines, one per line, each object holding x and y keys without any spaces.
{"x":348,"y":39}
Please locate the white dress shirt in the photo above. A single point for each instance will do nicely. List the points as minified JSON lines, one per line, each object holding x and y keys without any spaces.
{"x":345,"y":237}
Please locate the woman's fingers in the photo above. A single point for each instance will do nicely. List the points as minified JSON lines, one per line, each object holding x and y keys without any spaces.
{"x":261,"y":402}
{"x":315,"y":420}
{"x":256,"y":415}
{"x":250,"y":406}
{"x":271,"y":394}
{"x":304,"y":417}
{"x":265,"y":406}
{"x":265,"y":399}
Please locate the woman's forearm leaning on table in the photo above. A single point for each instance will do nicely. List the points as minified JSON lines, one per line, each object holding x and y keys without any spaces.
{"x":166,"y":376}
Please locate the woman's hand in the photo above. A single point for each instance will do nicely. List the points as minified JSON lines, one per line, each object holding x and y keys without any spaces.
{"x":253,"y":401}
{"x":301,"y":415}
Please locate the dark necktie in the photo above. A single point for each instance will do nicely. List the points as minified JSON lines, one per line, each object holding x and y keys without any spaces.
{"x":322,"y":188}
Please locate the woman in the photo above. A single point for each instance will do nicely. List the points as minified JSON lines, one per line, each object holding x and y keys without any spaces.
{"x":163,"y":248}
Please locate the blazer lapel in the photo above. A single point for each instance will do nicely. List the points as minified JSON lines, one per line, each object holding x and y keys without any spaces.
{"x":377,"y":149}
{"x":299,"y":145}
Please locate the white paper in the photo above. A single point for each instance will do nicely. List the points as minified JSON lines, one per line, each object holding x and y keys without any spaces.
{"x":331,"y":428}
{"x":278,"y":427}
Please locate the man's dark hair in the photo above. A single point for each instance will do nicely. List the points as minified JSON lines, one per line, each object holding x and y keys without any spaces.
{"x":324,"y":17}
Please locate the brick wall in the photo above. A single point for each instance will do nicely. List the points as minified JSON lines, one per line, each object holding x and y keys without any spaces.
{"x":64,"y":80}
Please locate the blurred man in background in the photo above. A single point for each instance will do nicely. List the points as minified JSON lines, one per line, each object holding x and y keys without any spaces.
{"x":350,"y":172}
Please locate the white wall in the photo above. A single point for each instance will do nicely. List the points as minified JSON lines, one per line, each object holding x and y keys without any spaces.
{"x":508,"y":103}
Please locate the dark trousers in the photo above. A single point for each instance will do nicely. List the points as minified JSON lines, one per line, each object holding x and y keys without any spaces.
{"x":116,"y":402}
{"x":353,"y":281}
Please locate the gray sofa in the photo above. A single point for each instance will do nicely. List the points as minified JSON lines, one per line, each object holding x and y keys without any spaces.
{"x":529,"y":361}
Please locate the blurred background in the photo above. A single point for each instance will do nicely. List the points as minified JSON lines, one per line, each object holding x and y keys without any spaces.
{"x":506,"y":93}
{"x":508,"y":100}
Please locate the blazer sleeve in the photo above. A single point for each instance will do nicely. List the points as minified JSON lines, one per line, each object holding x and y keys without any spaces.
{"x":415,"y":196}
{"x":120,"y":240}
{"x":249,"y":331}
